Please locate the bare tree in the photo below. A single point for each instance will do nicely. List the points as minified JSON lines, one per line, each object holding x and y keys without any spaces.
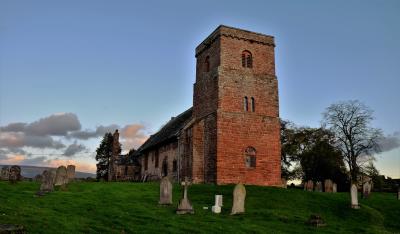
{"x":350,"y":121}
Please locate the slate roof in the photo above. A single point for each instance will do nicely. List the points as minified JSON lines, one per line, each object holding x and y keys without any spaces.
{"x":166,"y":133}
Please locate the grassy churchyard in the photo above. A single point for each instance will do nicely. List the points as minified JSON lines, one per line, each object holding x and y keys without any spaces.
{"x":95,"y":207}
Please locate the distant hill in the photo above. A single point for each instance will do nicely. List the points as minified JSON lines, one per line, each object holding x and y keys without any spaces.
{"x":32,"y":171}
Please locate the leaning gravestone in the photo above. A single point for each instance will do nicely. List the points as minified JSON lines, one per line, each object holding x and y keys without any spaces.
{"x":185,"y":207}
{"x":165,"y":192}
{"x":61,"y":176}
{"x":366,"y":189}
{"x":239,"y":198}
{"x":47,"y":182}
{"x":15,"y":174}
{"x":328,"y":186}
{"x":71,"y":172}
{"x":354,"y":197}
{"x":334,"y":188}
{"x":318,"y":186}
{"x":5,"y":173}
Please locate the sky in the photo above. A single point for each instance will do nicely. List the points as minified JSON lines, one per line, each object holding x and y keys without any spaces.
{"x":72,"y":70}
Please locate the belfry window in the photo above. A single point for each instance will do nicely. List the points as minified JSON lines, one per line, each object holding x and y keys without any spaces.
{"x":207,"y":64}
{"x":250,"y":157}
{"x":253,"y":105}
{"x":247,"y":59}
{"x":246,"y":104}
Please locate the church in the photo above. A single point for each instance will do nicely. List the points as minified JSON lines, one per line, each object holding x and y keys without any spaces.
{"x":232,"y":132}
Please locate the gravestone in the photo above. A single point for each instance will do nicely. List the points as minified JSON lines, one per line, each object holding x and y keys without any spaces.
{"x":165,"y":191}
{"x":5,"y":173}
{"x":284,"y":183}
{"x":216,"y":208}
{"x":185,"y":207}
{"x":71,"y":172}
{"x":328,"y":186}
{"x":354,"y":197}
{"x":310,"y":185}
{"x":61,"y":176}
{"x":366,"y":189}
{"x":15,"y":174}
{"x":47,"y":182}
{"x":239,"y":198}
{"x":53,"y":171}
{"x":398,"y":194}
{"x":318,"y":186}
{"x":334,"y":188}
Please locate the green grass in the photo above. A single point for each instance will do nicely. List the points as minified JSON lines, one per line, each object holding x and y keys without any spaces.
{"x":133,"y":208}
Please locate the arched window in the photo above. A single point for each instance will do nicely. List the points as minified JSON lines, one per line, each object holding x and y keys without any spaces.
{"x":246,"y":104}
{"x":207,"y":64}
{"x":250,"y":157}
{"x":247,"y":59}
{"x":253,"y":105}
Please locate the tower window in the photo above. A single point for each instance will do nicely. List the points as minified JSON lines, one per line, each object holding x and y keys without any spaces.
{"x":246,"y":104}
{"x":250,"y":157}
{"x":207,"y":64}
{"x":253,"y":105}
{"x":247,"y":59}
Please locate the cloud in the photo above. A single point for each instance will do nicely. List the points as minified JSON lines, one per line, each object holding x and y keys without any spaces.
{"x":133,"y":136}
{"x":74,"y":149}
{"x":15,"y":140}
{"x":53,"y":125}
{"x":99,"y":132}
{"x":389,"y":142}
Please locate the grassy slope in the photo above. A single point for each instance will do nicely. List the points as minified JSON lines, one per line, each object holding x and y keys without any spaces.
{"x":131,"y":207}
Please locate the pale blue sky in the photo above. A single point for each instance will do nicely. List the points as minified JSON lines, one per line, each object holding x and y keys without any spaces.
{"x":128,"y":62}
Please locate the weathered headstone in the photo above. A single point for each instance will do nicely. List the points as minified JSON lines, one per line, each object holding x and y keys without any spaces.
{"x":185,"y":207}
{"x":366,"y":189}
{"x":284,"y":183}
{"x":328,"y":186}
{"x":334,"y":188}
{"x":354,"y":196}
{"x":61,"y":176}
{"x":239,"y":198}
{"x":165,"y":191}
{"x":318,"y":186}
{"x":310,"y":185}
{"x":216,"y":208}
{"x":47,"y":182}
{"x":15,"y":174}
{"x":71,"y":172}
{"x":5,"y":173}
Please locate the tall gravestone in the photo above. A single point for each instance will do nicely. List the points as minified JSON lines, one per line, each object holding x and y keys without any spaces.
{"x":5,"y":173}
{"x":185,"y":207}
{"x":334,"y":188}
{"x":328,"y":186}
{"x":165,"y":191}
{"x":61,"y":176}
{"x":15,"y":174}
{"x":366,"y":189}
{"x":71,"y":172}
{"x":239,"y":199}
{"x":354,"y":196}
{"x":47,"y":182}
{"x":318,"y":186}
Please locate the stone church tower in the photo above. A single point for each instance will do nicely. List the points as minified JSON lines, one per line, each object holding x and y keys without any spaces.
{"x":236,"y":128}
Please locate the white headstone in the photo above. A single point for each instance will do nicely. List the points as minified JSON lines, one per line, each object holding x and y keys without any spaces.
{"x":218,"y":200}
{"x":354,"y":197}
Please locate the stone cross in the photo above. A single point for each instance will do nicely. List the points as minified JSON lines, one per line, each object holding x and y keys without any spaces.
{"x":185,"y":207}
{"x":165,"y":192}
{"x":354,"y":196}
{"x":239,"y":197}
{"x":216,"y":208}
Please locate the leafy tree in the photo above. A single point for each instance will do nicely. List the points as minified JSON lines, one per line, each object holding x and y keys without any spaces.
{"x":103,"y":155}
{"x":350,"y":122}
